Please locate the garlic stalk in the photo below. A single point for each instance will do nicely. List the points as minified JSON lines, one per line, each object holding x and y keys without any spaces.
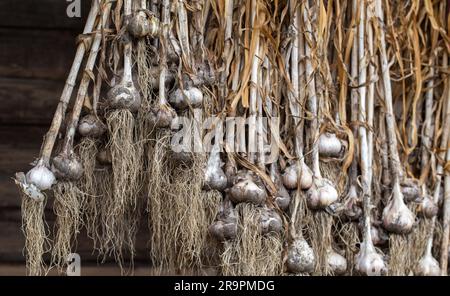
{"x":40,"y":178}
{"x":66,"y":165}
{"x":125,"y":95}
{"x":162,"y":115}
{"x":322,"y":192}
{"x":396,"y":215}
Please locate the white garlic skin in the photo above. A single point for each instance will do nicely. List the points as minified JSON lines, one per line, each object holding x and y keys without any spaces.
{"x":300,"y":258}
{"x":41,"y":177}
{"x":336,"y":262}
{"x":397,"y":218}
{"x":290,"y":177}
{"x":321,"y":194}
{"x":124,"y":96}
{"x":428,"y":208}
{"x":270,"y":221}
{"x":329,"y":145}
{"x":369,"y":262}
{"x":428,"y":266}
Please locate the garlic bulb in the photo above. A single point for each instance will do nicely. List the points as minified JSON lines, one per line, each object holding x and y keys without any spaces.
{"x":215,"y":178}
{"x":411,"y":190}
{"x":282,"y":198}
{"x":91,"y":126}
{"x":290,"y":177}
{"x":336,"y":262}
{"x":161,"y":117}
{"x":330,"y":145}
{"x":379,"y":236}
{"x":225,"y":226}
{"x":142,"y":25}
{"x":321,"y":194}
{"x":246,"y":189}
{"x":428,"y":266}
{"x":30,"y":190}
{"x":104,"y":157}
{"x":67,"y":166}
{"x":270,"y":221}
{"x":397,"y":217}
{"x":41,"y":177}
{"x":428,"y":208}
{"x":352,"y":209}
{"x":182,"y":99}
{"x":368,"y":261}
{"x":300,"y":257}
{"x":124,"y":96}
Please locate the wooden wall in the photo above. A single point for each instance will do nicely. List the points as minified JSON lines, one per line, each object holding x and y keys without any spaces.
{"x":37,"y":46}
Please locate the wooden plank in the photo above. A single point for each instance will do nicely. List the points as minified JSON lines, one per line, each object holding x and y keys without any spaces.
{"x":41,"y":14}
{"x":28,"y":101}
{"x":40,"y":54}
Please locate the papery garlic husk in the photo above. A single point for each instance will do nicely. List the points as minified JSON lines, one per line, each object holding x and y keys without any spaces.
{"x":67,"y":166}
{"x":397,"y":217}
{"x":330,"y":145}
{"x":290,"y":177}
{"x":215,"y":178}
{"x":124,"y":96}
{"x":248,"y":188}
{"x":336,"y":262}
{"x":182,"y":99}
{"x":411,"y":190}
{"x":369,"y":262}
{"x":225,"y":226}
{"x":427,"y":266}
{"x":161,"y":117}
{"x":91,"y":126}
{"x":270,"y":221}
{"x":379,"y":236}
{"x":41,"y":177}
{"x":321,"y":194}
{"x":428,"y":208}
{"x":142,"y":25}
{"x":352,"y":210}
{"x":300,"y":257}
{"x":104,"y":157}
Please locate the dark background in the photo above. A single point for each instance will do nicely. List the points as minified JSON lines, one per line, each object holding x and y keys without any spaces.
{"x":37,"y":47}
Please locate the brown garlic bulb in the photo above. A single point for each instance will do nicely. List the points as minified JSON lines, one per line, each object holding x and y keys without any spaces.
{"x":290,"y":177}
{"x":67,"y":166}
{"x":397,"y":217}
{"x":300,"y":257}
{"x":91,"y":126}
{"x":330,"y":145}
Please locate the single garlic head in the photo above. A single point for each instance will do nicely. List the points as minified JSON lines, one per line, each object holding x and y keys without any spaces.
{"x":428,"y":266}
{"x":321,"y":194}
{"x":330,"y":145}
{"x":270,"y":221}
{"x":141,"y":26}
{"x":124,"y":95}
{"x":300,"y":257}
{"x":91,"y":126}
{"x":41,"y":177}
{"x":397,"y":218}
{"x":67,"y":166}
{"x":369,"y":262}
{"x":246,"y":190}
{"x":290,"y":177}
{"x":336,"y":262}
{"x":182,"y":99}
